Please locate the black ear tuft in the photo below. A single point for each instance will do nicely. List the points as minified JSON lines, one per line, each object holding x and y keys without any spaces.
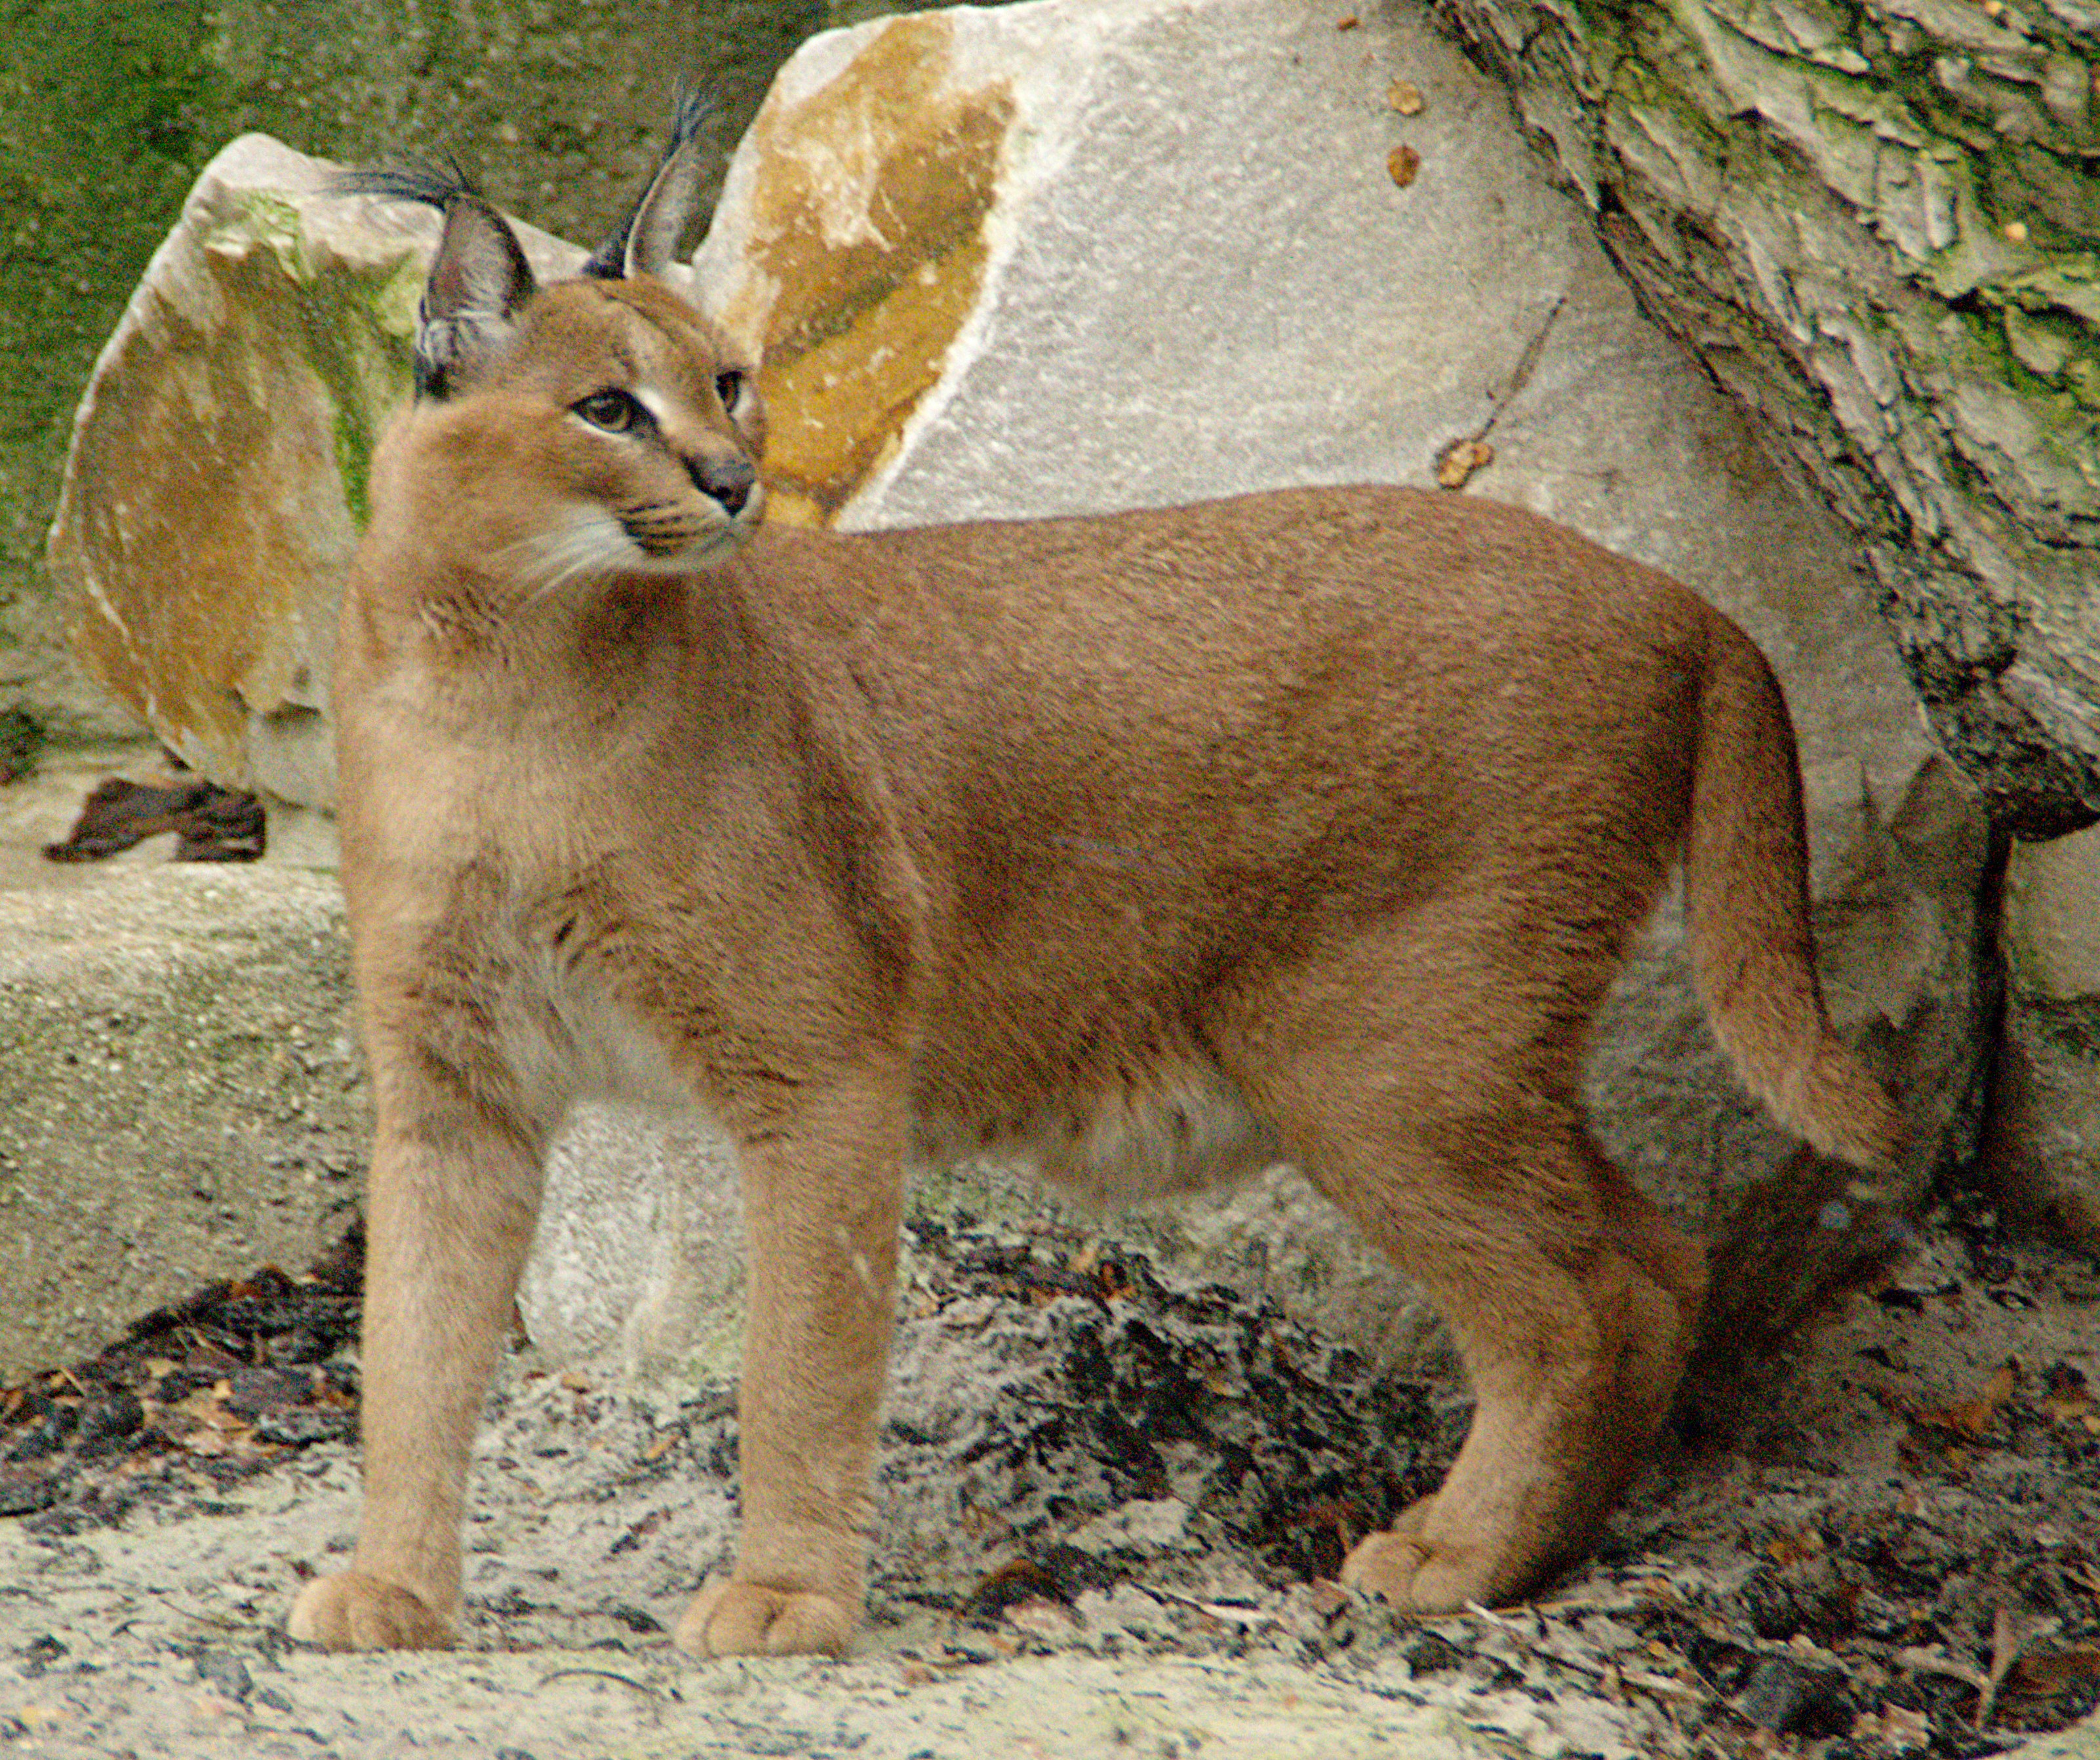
{"x":478,"y":279}
{"x":647,"y":239}
{"x":409,"y":180}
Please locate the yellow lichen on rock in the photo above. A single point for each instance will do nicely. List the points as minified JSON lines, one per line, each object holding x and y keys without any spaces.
{"x":207,"y":498}
{"x":865,"y":254}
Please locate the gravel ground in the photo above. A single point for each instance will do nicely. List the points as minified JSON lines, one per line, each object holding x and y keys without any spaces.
{"x":1111,"y":1506}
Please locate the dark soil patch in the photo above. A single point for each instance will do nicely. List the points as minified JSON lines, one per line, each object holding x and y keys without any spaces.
{"x":198,"y":1395}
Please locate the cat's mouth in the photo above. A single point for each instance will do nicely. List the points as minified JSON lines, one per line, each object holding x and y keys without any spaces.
{"x":676,"y":537}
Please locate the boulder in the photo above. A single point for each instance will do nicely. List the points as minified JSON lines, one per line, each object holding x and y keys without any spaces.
{"x":110,"y":110}
{"x":215,"y":485}
{"x":1875,"y":225}
{"x":1075,"y":256}
{"x":2043,"y":1156}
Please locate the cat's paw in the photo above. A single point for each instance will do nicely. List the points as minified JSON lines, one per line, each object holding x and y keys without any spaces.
{"x":732,"y":1618}
{"x":353,"y":1610}
{"x":1416,"y":1572}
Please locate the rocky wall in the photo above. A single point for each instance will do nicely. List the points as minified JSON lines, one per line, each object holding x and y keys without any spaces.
{"x":1877,"y":227}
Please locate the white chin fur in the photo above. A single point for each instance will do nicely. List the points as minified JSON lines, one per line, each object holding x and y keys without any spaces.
{"x":592,"y":542}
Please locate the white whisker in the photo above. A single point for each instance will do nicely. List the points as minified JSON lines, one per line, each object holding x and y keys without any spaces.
{"x":591,"y":542}
{"x":594,"y":541}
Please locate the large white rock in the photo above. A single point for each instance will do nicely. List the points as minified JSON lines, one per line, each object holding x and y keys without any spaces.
{"x":1083,"y":254}
{"x":215,"y":485}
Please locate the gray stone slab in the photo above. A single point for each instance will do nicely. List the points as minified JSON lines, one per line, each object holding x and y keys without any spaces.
{"x":179,"y":1096}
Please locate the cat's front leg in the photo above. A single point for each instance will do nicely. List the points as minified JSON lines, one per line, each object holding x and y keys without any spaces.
{"x":455,"y":1190}
{"x":822,"y":1193}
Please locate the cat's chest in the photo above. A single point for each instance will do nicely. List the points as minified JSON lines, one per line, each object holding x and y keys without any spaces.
{"x":559,"y":1021}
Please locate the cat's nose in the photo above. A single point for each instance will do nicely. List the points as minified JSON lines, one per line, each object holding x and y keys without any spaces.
{"x":728,"y":480}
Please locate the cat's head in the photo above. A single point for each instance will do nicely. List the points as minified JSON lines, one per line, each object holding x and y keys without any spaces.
{"x":619,"y":430}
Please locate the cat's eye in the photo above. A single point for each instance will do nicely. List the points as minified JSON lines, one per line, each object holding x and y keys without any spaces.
{"x":728,"y":387}
{"x":614,"y":411}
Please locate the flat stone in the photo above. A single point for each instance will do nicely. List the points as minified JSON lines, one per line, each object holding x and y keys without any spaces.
{"x":180,"y":1099}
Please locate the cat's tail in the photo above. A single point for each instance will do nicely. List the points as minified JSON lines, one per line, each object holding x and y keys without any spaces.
{"x":1746,"y":905}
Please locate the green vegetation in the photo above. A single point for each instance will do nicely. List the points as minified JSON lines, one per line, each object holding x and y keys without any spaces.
{"x":110,"y":108}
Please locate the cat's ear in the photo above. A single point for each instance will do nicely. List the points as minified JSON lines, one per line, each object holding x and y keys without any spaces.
{"x":478,"y":280}
{"x":647,"y":240}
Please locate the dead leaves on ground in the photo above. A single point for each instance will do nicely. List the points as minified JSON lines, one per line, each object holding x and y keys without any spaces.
{"x":2065,"y":1404}
{"x":225,"y":1380}
{"x":1460,"y":460}
{"x":1976,"y":1419}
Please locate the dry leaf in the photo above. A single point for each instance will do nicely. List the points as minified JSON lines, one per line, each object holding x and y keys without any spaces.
{"x":1403,"y":162}
{"x":1040,"y":1618}
{"x":2050,"y":1671}
{"x":1018,"y":1581}
{"x":1328,"y":1599}
{"x":1461,"y":459}
{"x":35,"y":1718}
{"x":1934,"y":1659}
{"x":2006,"y":1643}
{"x":2068,"y":1397}
{"x":1974,"y":1418}
{"x":661,"y":1447}
{"x":1226,"y":1614}
{"x":1662,"y":1685}
{"x":1790,"y":1546}
{"x":1350,"y":23}
{"x":1404,"y":97}
{"x":1893,"y":1726}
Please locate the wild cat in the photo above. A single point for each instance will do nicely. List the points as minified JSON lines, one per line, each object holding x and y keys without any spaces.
{"x":1307,"y":825}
